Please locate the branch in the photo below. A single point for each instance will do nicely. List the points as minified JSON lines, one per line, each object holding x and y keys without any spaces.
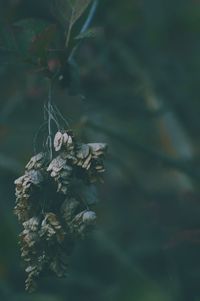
{"x":181,"y":165}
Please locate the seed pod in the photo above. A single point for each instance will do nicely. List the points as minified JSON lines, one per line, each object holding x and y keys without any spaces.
{"x":97,"y":149}
{"x":58,"y":140}
{"x":82,"y":152}
{"x":89,"y":218}
{"x":55,"y":216}
{"x":59,"y":263}
{"x":61,"y":172}
{"x":51,"y":228}
{"x":63,"y":141}
{"x":36,"y":162}
{"x":82,"y":223}
{"x":68,"y":209}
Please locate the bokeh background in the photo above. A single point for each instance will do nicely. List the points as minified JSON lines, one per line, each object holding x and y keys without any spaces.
{"x":140,"y":93}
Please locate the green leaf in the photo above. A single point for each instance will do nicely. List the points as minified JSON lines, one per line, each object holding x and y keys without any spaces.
{"x":69,"y":11}
{"x":33,"y":35}
{"x":88,"y":34}
{"x":78,"y":8}
{"x":62,"y":11}
{"x":41,"y":41}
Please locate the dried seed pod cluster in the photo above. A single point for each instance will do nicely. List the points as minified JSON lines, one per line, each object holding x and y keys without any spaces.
{"x":52,"y":206}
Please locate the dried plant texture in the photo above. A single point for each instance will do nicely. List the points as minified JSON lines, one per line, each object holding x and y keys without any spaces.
{"x":52,"y":204}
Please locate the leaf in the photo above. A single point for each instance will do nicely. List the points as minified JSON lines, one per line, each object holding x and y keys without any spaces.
{"x":88,"y":34}
{"x":41,"y":41}
{"x":62,"y":10}
{"x":69,"y":11}
{"x":32,"y":35}
{"x":78,"y":8}
{"x":25,"y":36}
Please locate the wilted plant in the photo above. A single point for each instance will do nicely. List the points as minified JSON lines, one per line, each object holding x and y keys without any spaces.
{"x":52,"y":204}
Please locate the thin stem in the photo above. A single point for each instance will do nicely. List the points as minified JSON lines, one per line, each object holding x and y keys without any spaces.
{"x":49,"y":120}
{"x":37,"y":135}
{"x":90,"y":16}
{"x":68,"y":35}
{"x":61,"y":116}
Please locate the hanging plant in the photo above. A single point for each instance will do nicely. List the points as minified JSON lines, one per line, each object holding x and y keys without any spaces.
{"x":52,"y":201}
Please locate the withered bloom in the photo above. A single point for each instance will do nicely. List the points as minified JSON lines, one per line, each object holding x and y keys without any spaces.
{"x":52,"y":207}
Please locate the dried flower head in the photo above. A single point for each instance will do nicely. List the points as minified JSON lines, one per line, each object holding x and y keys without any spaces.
{"x":52,"y":206}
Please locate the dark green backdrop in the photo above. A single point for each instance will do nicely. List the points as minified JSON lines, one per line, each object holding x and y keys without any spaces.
{"x":140,"y":78}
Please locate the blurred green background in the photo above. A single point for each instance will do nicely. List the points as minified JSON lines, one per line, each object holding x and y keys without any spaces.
{"x":140,"y":78}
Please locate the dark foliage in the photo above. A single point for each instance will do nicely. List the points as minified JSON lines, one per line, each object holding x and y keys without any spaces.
{"x":134,"y":84}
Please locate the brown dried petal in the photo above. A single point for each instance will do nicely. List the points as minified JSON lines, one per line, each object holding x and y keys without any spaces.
{"x":19,"y":181}
{"x":69,"y":140}
{"x":35,"y":177}
{"x":69,"y":208}
{"x":36,"y":161}
{"x":65,"y":138}
{"x":51,"y":227}
{"x":56,"y":164}
{"x":58,"y":141}
{"x":82,"y":221}
{"x":83,"y":151}
{"x":89,"y":217}
{"x":87,"y":162}
{"x":59,"y":263}
{"x":99,"y":148}
{"x":32,"y":224}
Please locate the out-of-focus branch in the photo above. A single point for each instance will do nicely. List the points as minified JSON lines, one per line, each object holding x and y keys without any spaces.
{"x":122,"y":257}
{"x":178,"y":141}
{"x":181,"y":165}
{"x":171,"y":132}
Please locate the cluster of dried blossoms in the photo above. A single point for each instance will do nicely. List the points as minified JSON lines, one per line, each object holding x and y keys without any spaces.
{"x":52,"y":207}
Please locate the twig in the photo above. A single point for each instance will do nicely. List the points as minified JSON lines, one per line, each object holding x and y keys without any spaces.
{"x":49,"y":120}
{"x":37,"y":135}
{"x":123,"y":258}
{"x":61,"y":116}
{"x":68,"y":35}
